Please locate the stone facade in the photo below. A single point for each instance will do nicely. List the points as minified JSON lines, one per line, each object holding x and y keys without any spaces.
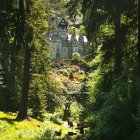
{"x":62,"y":44}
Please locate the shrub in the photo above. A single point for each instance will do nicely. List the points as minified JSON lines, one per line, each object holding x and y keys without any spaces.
{"x":64,"y":72}
{"x":76,"y":59}
{"x":71,"y":76}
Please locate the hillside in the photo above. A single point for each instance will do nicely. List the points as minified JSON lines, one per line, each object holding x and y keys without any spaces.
{"x":30,"y":129}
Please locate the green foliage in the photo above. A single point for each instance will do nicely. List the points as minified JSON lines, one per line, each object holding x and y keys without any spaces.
{"x":116,"y":119}
{"x":76,"y":110}
{"x":53,"y":102}
{"x":7,"y":51}
{"x":38,"y":95}
{"x":113,"y":101}
{"x":56,"y":118}
{"x":77,"y":60}
{"x":18,"y":31}
{"x":64,"y":72}
{"x":71,"y":76}
{"x":137,"y":133}
{"x":112,"y":107}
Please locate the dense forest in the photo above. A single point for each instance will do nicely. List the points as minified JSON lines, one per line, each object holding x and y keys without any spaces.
{"x":90,"y":97}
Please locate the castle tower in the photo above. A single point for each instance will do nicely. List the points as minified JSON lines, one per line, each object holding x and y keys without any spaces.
{"x":63,"y":24}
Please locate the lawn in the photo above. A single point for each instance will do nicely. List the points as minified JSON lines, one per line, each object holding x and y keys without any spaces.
{"x":30,"y":129}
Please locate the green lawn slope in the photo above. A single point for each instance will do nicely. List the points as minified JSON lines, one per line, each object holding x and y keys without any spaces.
{"x":14,"y":130}
{"x":30,"y":129}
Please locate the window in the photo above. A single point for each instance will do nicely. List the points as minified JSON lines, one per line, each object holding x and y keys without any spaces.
{"x":64,"y":49}
{"x":76,"y":49}
{"x":57,"y":49}
{"x":58,"y":55}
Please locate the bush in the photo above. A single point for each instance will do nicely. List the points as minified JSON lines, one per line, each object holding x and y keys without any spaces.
{"x":77,"y":60}
{"x":116,"y":118}
{"x":71,"y":76}
{"x":56,"y":118}
{"x":37,"y":104}
{"x":64,"y":72}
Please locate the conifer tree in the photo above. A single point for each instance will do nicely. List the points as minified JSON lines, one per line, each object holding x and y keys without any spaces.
{"x":8,"y":44}
{"x":138,"y":36}
{"x":34,"y":44}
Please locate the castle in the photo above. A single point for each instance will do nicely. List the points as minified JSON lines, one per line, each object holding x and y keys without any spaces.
{"x":62,"y":44}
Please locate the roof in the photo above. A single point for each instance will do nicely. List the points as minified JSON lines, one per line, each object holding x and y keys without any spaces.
{"x":63,"y":22}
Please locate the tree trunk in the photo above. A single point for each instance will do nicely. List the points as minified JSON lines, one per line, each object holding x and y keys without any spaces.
{"x":118,"y":49}
{"x":13,"y":65}
{"x":12,"y":80}
{"x":25,"y":89}
{"x":26,"y":77}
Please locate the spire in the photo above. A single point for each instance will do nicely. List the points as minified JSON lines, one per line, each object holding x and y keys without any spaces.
{"x":63,"y":24}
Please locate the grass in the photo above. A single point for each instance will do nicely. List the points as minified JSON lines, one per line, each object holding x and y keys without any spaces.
{"x":13,"y":130}
{"x":30,"y":129}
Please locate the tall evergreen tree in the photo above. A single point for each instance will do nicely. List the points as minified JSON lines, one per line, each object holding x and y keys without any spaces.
{"x":27,"y":36}
{"x":8,"y":42}
{"x":139,"y":36}
{"x":118,"y":49}
{"x":120,"y":96}
{"x":34,"y":43}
